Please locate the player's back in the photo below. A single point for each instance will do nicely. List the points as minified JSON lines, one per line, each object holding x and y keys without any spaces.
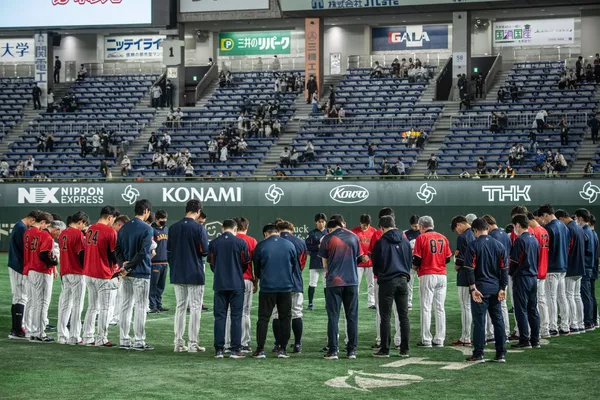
{"x":558,"y":252}
{"x":100,"y":242}
{"x":434,"y":250}
{"x":71,"y":243}
{"x":28,"y":253}
{"x":541,"y":234}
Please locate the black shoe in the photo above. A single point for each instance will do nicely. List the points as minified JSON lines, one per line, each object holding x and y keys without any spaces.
{"x":475,"y":359}
{"x":145,"y":347}
{"x":521,"y":346}
{"x":375,"y":347}
{"x":153,"y":311}
{"x":564,"y":333}
{"x":276,"y":349}
{"x":512,"y":310}
{"x":536,"y":346}
{"x":381,"y":354}
{"x":50,"y":327}
{"x":513,"y":336}
{"x":325,"y":349}
{"x":204,"y":308}
{"x":499,"y":358}
{"x":162,"y":309}
{"x":421,"y":344}
{"x":372,"y":308}
{"x":438,"y":345}
{"x":404,"y":353}
{"x":297,"y":348}
{"x":554,"y":333}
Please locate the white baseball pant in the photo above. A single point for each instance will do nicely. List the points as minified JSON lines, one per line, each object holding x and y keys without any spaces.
{"x":368,"y":272}
{"x":248,"y":289}
{"x":557,"y":296}
{"x":116,"y":305}
{"x":100,"y":292}
{"x":135,"y":296}
{"x":489,"y":327}
{"x":297,"y":300}
{"x":314,"y":277}
{"x":18,"y":287}
{"x":543,"y":307}
{"x":70,"y":306}
{"x":433,"y":293}
{"x":27,"y":323}
{"x":185,"y":295}
{"x":414,"y":277}
{"x":41,"y":293}
{"x":573,"y":290}
{"x":466,"y":318}
{"x":397,"y":336}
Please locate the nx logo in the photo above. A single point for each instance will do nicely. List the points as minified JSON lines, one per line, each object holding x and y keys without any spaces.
{"x":37,"y":195}
{"x":130,"y":194}
{"x":426,"y":193}
{"x":513,"y":193}
{"x":349,"y":194}
{"x":274,"y":194}
{"x":590,"y":192}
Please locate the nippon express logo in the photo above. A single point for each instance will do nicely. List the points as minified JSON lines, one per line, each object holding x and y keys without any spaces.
{"x":65,"y":195}
{"x":349,"y":194}
{"x":227,"y":44}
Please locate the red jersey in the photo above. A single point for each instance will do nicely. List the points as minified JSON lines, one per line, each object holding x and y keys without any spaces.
{"x":27,"y":257}
{"x":99,"y":242}
{"x":40,"y":243}
{"x":251,"y":242}
{"x":71,"y":243}
{"x":367,"y":242}
{"x":376,"y":236}
{"x":433,"y":249}
{"x":513,"y":235}
{"x":543,"y":239}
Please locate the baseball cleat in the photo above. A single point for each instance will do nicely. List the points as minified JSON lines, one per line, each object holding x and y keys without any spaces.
{"x":237,"y":355}
{"x":297,"y":349}
{"x":180,"y":349}
{"x":461,"y":343}
{"x":194,"y":348}
{"x":437,"y":345}
{"x":381,"y":354}
{"x":351,"y":355}
{"x":125,"y":347}
{"x":554,"y":333}
{"x":331,"y":356}
{"x":17,"y":335}
{"x":426,"y":345}
{"x":246,"y":350}
{"x":276,"y":349}
{"x":107,"y":345}
{"x":574,"y":331}
{"x":145,"y":347}
{"x":536,"y":346}
{"x":259,"y":354}
{"x":283,"y":354}
{"x":311,"y":307}
{"x":404,"y":353}
{"x":153,"y":311}
{"x":219,"y":354}
{"x":50,"y":327}
{"x":376,"y":346}
{"x":475,"y":359}
{"x":564,"y":333}
{"x":162,"y":309}
{"x":521,"y":346}
{"x":499,"y":358}
{"x":372,"y":308}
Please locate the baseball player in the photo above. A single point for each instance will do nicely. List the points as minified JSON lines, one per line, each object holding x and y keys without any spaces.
{"x":40,"y":276}
{"x":583,"y":218}
{"x":524,"y":270}
{"x":70,"y":303}
{"x":488,"y":277}
{"x":18,"y":281}
{"x":316,"y":265}
{"x":412,"y":234}
{"x":116,"y":303}
{"x":228,"y":256}
{"x":286,"y":230}
{"x":27,"y":258}
{"x":541,"y":236}
{"x":133,"y":249}
{"x":100,"y":269}
{"x":461,"y":226}
{"x":186,"y":248}
{"x":559,"y":239}
{"x":250,"y":288}
{"x":594,"y":276}
{"x":365,"y":233}
{"x":431,"y":254}
{"x":159,"y":262}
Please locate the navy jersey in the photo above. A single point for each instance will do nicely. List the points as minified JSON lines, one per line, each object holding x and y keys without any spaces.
{"x":524,"y":256}
{"x":301,"y":251}
{"x":228,"y":256}
{"x":341,"y":249}
{"x":133,"y":244}
{"x":462,"y":242}
{"x":161,"y":237}
{"x":485,"y":265}
{"x":15,"y":250}
{"x":275,"y":263}
{"x":312,"y":243}
{"x":559,"y":237}
{"x":590,"y":250}
{"x":594,"y":275}
{"x":412,"y":235}
{"x":500,"y":235}
{"x":186,"y":248}
{"x":576,"y":260}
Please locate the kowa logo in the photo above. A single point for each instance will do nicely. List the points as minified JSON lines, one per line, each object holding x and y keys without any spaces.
{"x":65,"y":195}
{"x":413,"y":36}
{"x":511,"y":193}
{"x":183,"y":195}
{"x":349,"y":194}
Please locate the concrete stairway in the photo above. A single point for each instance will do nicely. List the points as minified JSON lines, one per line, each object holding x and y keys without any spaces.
{"x":61,"y":89}
{"x":286,"y":138}
{"x":441,"y":129}
{"x":20,"y":129}
{"x":208,"y":94}
{"x":499,"y":81}
{"x":587,"y":150}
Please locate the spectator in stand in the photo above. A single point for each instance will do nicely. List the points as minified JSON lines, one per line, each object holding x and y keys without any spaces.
{"x":540,"y":120}
{"x":377,"y":71}
{"x":338,"y":173}
{"x":169,"y":89}
{"x":597,"y":67}
{"x":328,"y":173}
{"x":156,"y":94}
{"x":548,"y":167}
{"x":4,"y":169}
{"x":82,"y":73}
{"x":432,"y":166}
{"x":341,"y":115}
{"x":104,"y":168}
{"x":520,"y":153}
{"x":125,"y":165}
{"x":371,"y":154}
{"x":594,"y":125}
{"x":50,"y":143}
{"x":563,"y":82}
{"x":501,"y":94}
{"x":532,"y":142}
{"x":276,"y":64}
{"x":560,"y":164}
{"x":309,"y":152}
{"x":156,"y":161}
{"x":315,"y":104}
{"x":539,"y":161}
{"x":494,"y":125}
{"x":242,"y":146}
{"x":171,"y":166}
{"x":50,"y":99}
{"x":177,"y":117}
{"x":153,"y":142}
{"x":229,"y":78}
{"x":421,"y":138}
{"x":294,"y":156}
{"x":514,"y":92}
{"x":95,"y":144}
{"x":189,"y":171}
{"x":284,"y":158}
{"x":276,"y":128}
{"x":41,"y":142}
{"x":267,"y":129}
{"x":395,"y":68}
{"x":479,"y":86}
{"x":385,"y":168}
{"x":82,"y":145}
{"x":20,"y":169}
{"x":311,"y":87}
{"x":165,"y":141}
{"x":213,"y":147}
{"x":509,"y":171}
{"x":481,"y":166}
{"x":571,"y":80}
{"x":500,"y":172}
{"x":398,"y":169}
{"x":588,"y":172}
{"x":579,"y":68}
{"x":223,"y":153}
{"x":502,"y":121}
{"x":564,"y":132}
{"x":170,"y":117}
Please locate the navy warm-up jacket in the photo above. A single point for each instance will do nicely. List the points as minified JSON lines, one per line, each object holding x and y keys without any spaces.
{"x":275,"y":262}
{"x":524,"y":256}
{"x":228,"y":257}
{"x":576,"y":260}
{"x":485,"y":265}
{"x":187,"y":245}
{"x":133,"y":244}
{"x":559,"y":238}
{"x":392,"y":257}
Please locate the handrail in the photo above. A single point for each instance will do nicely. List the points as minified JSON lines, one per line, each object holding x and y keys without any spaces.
{"x":520,"y":120}
{"x":442,"y":79}
{"x":491,"y":76}
{"x":242,"y":64}
{"x":205,"y":82}
{"x":367,"y":60}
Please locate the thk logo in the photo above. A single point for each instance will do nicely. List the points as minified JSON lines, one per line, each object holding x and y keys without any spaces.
{"x":37,"y":195}
{"x":511,"y":193}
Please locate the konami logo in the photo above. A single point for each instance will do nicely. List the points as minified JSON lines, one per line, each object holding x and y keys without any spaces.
{"x":349,"y":194}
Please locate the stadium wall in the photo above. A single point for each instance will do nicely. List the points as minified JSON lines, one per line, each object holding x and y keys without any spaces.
{"x":298,"y":202}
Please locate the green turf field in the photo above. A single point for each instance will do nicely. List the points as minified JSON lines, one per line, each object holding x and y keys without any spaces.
{"x":565,"y":368}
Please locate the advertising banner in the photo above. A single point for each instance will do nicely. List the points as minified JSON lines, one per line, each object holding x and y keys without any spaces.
{"x":41,"y":65}
{"x":313,"y":50}
{"x":190,"y":6}
{"x":298,"y":202}
{"x":535,"y":32}
{"x":17,"y":50}
{"x":412,"y":37}
{"x":146,"y":47}
{"x":303,"y":5}
{"x":255,"y":43}
{"x":56,"y":13}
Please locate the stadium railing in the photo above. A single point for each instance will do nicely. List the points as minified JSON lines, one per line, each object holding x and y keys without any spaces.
{"x":531,"y":53}
{"x":260,"y":64}
{"x":516,"y":120}
{"x":491,"y":75}
{"x":87,"y":128}
{"x":109,"y":68}
{"x":367,"y":60}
